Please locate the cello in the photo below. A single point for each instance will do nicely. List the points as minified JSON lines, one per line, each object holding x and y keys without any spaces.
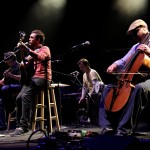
{"x":118,"y":95}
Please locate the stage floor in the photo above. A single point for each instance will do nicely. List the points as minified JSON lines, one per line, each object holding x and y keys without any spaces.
{"x":34,"y":140}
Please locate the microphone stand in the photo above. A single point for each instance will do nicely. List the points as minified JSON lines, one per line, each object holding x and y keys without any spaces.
{"x":84,"y":88}
{"x":77,"y":123}
{"x":75,"y":76}
{"x":60,"y":107}
{"x":45,"y":63}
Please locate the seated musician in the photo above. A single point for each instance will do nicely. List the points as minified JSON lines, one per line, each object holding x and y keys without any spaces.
{"x":138,"y":98}
{"x":38,"y":56}
{"x":9,"y":86}
{"x":90,"y":95}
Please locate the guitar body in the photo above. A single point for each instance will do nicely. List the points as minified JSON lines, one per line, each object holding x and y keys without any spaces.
{"x":99,"y":86}
{"x":27,"y":71}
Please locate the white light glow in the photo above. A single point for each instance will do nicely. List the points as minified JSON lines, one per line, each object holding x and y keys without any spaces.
{"x":131,"y":7}
{"x":51,"y":8}
{"x":46,"y":14}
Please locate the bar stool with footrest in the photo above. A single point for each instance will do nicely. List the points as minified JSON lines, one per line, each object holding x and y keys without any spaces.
{"x":53,"y":114}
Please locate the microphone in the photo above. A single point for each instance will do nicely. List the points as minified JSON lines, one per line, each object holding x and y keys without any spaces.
{"x":26,"y":43}
{"x":56,"y":61}
{"x":75,"y":73}
{"x":86,"y":43}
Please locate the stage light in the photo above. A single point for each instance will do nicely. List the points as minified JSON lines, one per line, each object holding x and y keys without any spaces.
{"x":130,"y":8}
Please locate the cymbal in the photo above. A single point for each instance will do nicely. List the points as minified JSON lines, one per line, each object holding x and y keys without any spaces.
{"x":59,"y":84}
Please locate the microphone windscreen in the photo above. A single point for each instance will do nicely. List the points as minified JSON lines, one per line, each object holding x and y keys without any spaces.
{"x":87,"y":43}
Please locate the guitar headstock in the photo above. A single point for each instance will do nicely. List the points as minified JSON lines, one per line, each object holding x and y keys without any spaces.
{"x":22,"y":35}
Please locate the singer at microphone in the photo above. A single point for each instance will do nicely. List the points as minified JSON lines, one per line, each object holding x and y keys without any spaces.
{"x":87,"y":43}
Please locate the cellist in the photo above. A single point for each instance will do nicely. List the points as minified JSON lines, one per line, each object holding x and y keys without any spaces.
{"x":140,"y":94}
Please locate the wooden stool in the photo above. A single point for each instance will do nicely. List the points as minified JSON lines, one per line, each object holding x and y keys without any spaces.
{"x":39,"y":105}
{"x":53,"y":114}
{"x":53,"y":107}
{"x":10,"y":119}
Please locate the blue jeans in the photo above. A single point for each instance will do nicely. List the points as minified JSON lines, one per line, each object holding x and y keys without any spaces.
{"x":138,"y":100}
{"x":2,"y":114}
{"x":7,"y":101}
{"x":25,"y":101}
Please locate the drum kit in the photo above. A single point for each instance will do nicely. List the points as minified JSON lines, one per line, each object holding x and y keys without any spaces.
{"x":61,"y":96}
{"x":80,"y":114}
{"x":61,"y":85}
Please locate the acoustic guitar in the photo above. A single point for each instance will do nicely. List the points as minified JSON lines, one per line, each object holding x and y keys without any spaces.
{"x":26,"y":65}
{"x":27,"y":71}
{"x":98,"y":87}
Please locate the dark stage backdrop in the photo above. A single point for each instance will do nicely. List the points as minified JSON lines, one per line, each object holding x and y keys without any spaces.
{"x":81,"y":20}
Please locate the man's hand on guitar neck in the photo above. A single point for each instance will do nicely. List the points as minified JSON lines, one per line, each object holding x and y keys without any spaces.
{"x":23,"y":46}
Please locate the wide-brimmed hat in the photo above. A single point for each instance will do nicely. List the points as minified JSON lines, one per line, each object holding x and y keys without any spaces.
{"x":9,"y":56}
{"x":135,"y":24}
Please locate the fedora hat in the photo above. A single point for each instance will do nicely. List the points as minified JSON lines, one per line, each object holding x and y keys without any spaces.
{"x":9,"y":56}
{"x":135,"y":24}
